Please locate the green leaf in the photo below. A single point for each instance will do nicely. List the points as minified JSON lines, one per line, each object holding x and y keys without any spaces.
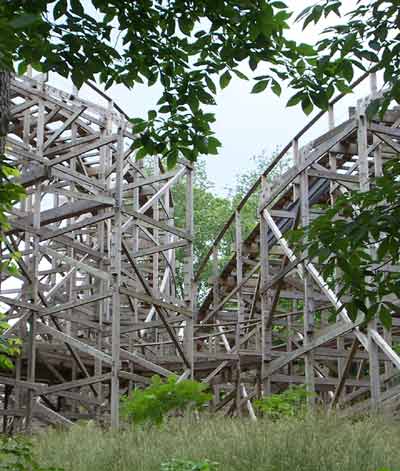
{"x":385,"y":317}
{"x":22,"y":68}
{"x":211,"y":85}
{"x":295,"y":99}
{"x":172,"y":158}
{"x":213,"y":144}
{"x":279,"y":5}
{"x":276,"y":88}
{"x":225,"y":79}
{"x":306,"y":49}
{"x":60,"y":8}
{"x":306,"y":105}
{"x":77,"y":7}
{"x":140,"y":127}
{"x":260,"y":86}
{"x":141,"y":153}
{"x":239,"y":74}
{"x":152,"y":114}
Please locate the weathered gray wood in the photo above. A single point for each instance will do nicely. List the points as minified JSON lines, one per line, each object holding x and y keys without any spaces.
{"x":81,"y":346}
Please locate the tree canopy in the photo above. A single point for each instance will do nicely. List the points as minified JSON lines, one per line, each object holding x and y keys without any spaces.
{"x":187,"y":47}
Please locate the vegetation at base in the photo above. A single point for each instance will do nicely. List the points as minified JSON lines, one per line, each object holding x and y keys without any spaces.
{"x":290,"y":403}
{"x":153,"y":404}
{"x":16,"y":454}
{"x":307,"y":444}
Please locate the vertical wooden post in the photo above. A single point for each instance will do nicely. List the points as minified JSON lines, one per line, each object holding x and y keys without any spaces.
{"x":116,"y":274}
{"x":215,"y":273}
{"x":240,"y":308}
{"x":333,"y":167}
{"x":308,"y":307}
{"x":189,"y":276}
{"x":266,"y":332}
{"x":362,"y":142}
{"x":34,"y":270}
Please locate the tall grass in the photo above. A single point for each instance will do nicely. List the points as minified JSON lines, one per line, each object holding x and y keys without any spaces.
{"x":310,"y":444}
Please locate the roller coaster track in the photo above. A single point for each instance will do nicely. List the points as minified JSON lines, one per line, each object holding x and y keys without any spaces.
{"x":96,"y":300}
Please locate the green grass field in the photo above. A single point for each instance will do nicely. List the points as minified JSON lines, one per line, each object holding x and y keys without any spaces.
{"x":310,"y":444}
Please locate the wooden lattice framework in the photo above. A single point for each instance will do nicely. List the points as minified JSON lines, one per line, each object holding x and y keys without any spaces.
{"x":268,"y":312}
{"x":97,"y":302}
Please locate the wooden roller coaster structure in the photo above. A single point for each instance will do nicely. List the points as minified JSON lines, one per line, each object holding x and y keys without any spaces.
{"x":106,"y":294}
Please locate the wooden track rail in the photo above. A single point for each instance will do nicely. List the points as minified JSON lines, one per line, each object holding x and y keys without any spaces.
{"x":106,"y":296}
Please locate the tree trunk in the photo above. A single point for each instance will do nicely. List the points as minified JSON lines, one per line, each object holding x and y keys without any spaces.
{"x":5,"y":80}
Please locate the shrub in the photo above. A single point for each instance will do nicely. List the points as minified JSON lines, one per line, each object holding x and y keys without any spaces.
{"x":290,"y":403}
{"x":16,"y":455}
{"x":153,"y":404}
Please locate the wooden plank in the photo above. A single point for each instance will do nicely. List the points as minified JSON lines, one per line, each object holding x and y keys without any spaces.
{"x":77,"y":225}
{"x":344,"y":374}
{"x":386,"y":348}
{"x":79,"y":383}
{"x":329,"y":175}
{"x":66,"y":211}
{"x":156,"y":302}
{"x":386,"y":130}
{"x":21,"y":384}
{"x":82,"y":149}
{"x":314,"y":156}
{"x":159,"y":248}
{"x":81,"y":346}
{"x":158,"y":224}
{"x":329,"y":334}
{"x":73,"y":304}
{"x":57,"y":133}
{"x":75,"y":263}
{"x":144,"y":363}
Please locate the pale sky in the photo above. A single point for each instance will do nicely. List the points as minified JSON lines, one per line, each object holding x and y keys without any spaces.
{"x":245,"y":123}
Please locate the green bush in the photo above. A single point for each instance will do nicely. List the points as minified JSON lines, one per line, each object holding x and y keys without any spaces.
{"x":153,"y":404}
{"x":290,"y":403}
{"x":16,"y":454}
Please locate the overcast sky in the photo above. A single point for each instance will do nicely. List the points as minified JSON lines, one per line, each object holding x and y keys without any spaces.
{"x":245,"y":123}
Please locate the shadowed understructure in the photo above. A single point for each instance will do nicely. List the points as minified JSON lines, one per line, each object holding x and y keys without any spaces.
{"x":106,"y":294}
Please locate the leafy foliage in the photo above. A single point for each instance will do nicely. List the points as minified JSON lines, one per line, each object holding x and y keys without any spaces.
{"x":188,"y":465}
{"x":360,"y":235}
{"x":153,"y":404}
{"x":185,"y":46}
{"x":16,"y":454}
{"x":9,"y":347}
{"x":10,"y":194}
{"x":367,"y":38}
{"x":188,"y":46}
{"x":290,"y":403}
